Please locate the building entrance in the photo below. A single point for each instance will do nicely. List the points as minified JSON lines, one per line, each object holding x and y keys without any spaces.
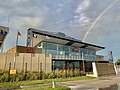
{"x":72,"y":64}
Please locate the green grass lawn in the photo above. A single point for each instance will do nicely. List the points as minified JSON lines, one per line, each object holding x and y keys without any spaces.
{"x":23,"y":83}
{"x":47,"y":88}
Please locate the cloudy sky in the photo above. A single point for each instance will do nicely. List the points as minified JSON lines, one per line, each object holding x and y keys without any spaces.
{"x":73,"y":17}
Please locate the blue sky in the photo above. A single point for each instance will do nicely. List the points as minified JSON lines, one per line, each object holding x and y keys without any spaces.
{"x":73,"y":17}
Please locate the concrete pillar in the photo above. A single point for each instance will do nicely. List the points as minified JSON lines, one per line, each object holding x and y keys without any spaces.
{"x":115,"y":69}
{"x":95,"y":73}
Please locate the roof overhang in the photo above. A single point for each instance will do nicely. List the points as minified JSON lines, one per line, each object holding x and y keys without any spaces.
{"x":67,"y":40}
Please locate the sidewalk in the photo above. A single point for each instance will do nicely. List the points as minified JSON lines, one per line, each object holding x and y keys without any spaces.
{"x":92,"y":83}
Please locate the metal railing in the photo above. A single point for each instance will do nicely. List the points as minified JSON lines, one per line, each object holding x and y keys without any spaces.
{"x":72,"y":57}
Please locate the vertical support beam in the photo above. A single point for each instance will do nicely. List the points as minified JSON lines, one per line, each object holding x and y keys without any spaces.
{"x":45,"y":51}
{"x":15,"y":60}
{"x":57,"y":51}
{"x":115,"y":69}
{"x":32,"y":39}
{"x":69,"y":53}
{"x":65,"y":68}
{"x":83,"y":66}
{"x":83,"y":63}
{"x":95,"y":73}
{"x":87,"y":55}
{"x":79,"y":68}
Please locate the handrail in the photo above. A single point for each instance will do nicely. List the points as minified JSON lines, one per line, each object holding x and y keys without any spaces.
{"x":74,"y":57}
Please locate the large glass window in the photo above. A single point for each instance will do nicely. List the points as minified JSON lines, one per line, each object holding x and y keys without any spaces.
{"x":76,"y":64}
{"x":64,"y":51}
{"x":57,"y":65}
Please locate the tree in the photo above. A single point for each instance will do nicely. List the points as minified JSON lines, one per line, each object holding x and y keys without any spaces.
{"x":117,"y":62}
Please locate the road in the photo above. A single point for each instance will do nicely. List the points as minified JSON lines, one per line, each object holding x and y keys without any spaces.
{"x":93,"y":83}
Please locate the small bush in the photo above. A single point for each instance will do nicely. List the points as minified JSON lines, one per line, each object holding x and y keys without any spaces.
{"x":2,"y":72}
{"x":4,"y":78}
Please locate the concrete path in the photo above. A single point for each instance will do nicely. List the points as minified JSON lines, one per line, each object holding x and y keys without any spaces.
{"x":92,"y":83}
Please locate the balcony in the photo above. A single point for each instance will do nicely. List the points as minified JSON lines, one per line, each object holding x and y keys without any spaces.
{"x":73,"y":57}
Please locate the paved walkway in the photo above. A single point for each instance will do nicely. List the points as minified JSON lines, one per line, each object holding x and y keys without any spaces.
{"x":92,"y":83}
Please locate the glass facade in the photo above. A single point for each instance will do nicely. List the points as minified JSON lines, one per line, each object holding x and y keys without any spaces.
{"x":60,"y":51}
{"x":62,"y":65}
{"x":65,"y":64}
{"x":58,"y":65}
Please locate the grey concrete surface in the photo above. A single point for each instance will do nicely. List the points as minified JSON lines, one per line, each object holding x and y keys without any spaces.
{"x":92,"y":84}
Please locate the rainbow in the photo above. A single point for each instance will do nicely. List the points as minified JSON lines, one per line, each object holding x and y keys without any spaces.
{"x":98,"y":18}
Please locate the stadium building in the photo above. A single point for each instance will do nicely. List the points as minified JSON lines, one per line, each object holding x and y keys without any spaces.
{"x":3,"y":33}
{"x":50,"y":51}
{"x":65,"y":50}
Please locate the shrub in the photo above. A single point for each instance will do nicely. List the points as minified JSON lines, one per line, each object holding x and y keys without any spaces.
{"x":4,"y":78}
{"x":2,"y":72}
{"x":21,"y":76}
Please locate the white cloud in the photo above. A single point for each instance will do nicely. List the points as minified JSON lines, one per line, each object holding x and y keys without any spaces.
{"x":81,"y":17}
{"x":28,"y":21}
{"x":83,"y":6}
{"x":60,"y":5}
{"x":59,"y":9}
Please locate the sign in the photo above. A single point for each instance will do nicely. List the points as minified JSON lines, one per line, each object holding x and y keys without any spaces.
{"x":53,"y":84}
{"x":12,"y":71}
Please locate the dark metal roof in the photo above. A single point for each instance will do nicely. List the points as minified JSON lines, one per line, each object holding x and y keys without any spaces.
{"x":3,"y":32}
{"x":64,"y":37}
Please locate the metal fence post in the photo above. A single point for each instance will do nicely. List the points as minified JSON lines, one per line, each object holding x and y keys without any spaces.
{"x":31,"y":63}
{"x":25,"y":70}
{"x":66,"y":68}
{"x":40,"y":70}
{"x":5,"y":61}
{"x":73,"y":70}
{"x":23,"y":64}
{"x":38,"y":63}
{"x":9,"y":72}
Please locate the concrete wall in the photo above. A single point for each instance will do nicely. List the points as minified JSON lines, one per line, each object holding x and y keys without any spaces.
{"x":103,"y":69}
{"x":19,"y":60}
{"x":24,"y":49}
